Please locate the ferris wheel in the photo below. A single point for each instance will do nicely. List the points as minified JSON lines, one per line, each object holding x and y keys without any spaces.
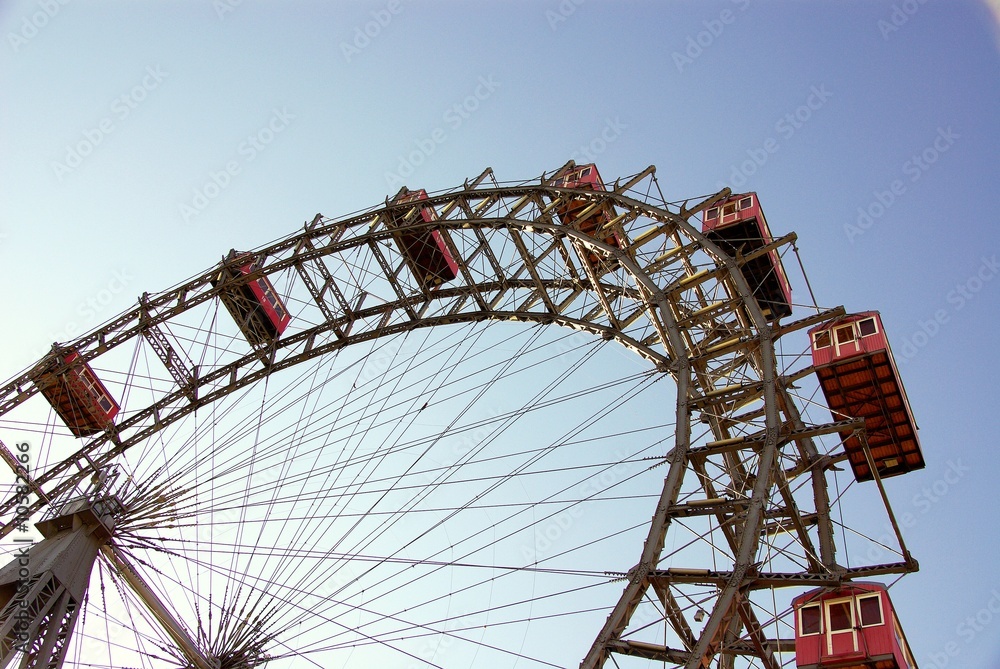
{"x":532,"y":424}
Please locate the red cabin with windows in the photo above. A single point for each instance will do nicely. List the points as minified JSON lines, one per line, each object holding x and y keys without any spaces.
{"x":254,"y":305}
{"x":425,"y":251}
{"x":596,"y":223}
{"x":76,"y":394}
{"x":737,"y":225}
{"x":852,"y":627}
{"x":859,"y":378}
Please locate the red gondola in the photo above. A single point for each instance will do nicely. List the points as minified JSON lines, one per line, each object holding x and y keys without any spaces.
{"x":425,"y":251}
{"x":852,"y":627}
{"x":254,"y":305}
{"x":859,"y":378}
{"x":596,"y":224}
{"x":738,"y":225}
{"x":77,"y":395}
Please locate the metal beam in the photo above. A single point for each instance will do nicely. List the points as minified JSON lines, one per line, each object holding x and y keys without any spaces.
{"x":163,"y":615}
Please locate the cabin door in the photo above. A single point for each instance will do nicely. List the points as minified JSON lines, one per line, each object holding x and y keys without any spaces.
{"x":845,"y":340}
{"x":841,"y":635}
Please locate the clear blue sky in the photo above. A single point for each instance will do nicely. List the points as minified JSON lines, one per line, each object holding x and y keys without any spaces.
{"x":140,"y":141}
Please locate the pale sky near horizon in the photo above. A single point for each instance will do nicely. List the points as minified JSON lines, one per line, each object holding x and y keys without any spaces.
{"x":139,"y":142}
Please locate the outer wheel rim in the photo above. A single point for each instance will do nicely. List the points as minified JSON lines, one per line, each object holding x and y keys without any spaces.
{"x":662,"y":303}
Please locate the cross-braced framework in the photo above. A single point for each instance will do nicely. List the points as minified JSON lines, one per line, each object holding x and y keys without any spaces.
{"x":396,"y":502}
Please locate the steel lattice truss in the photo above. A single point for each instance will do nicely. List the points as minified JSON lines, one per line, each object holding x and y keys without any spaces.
{"x":744,"y":470}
